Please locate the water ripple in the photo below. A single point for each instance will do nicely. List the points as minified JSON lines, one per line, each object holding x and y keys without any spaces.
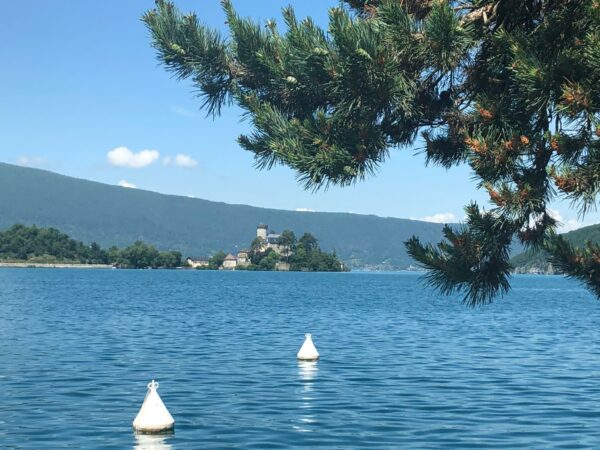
{"x":399,"y":368}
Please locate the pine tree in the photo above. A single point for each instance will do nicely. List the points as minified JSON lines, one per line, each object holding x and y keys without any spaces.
{"x":509,"y":87}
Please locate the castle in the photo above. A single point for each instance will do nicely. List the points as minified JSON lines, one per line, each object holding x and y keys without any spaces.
{"x":242,"y":259}
{"x":270,"y":240}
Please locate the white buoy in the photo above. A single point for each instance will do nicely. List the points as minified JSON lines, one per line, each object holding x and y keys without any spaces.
{"x":154,"y":417}
{"x":308,"y":352}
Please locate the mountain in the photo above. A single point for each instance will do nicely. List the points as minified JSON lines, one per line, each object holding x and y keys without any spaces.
{"x":113,"y":215}
{"x":533,"y":261}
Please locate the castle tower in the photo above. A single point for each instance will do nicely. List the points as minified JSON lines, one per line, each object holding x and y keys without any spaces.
{"x":262,"y":231}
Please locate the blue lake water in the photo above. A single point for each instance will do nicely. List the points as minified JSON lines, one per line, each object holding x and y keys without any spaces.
{"x":400,"y":366}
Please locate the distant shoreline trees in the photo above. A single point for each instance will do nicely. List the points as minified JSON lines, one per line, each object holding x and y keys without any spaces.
{"x":34,"y":244}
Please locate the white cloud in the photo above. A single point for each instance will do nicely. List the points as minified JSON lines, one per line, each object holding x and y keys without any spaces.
{"x":123,"y":157}
{"x":191,"y":196}
{"x":305,"y":210}
{"x":31,"y":161}
{"x":126,"y":184}
{"x":565,"y":225}
{"x":182,"y":112}
{"x":182,"y":160}
{"x":438,"y":218}
{"x":179,"y":160}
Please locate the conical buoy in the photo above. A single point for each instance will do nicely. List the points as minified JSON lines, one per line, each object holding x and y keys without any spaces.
{"x":308,"y":352}
{"x":153,"y":416}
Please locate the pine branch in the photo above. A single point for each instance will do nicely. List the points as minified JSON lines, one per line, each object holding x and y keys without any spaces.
{"x":510,"y":88}
{"x":580,"y":264}
{"x":473,"y":260}
{"x":190,"y":50}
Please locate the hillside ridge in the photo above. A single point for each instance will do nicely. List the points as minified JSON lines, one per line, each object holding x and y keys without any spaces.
{"x":537,"y":261}
{"x":112,"y":215}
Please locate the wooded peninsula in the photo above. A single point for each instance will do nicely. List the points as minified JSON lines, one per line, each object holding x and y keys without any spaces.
{"x":31,"y":245}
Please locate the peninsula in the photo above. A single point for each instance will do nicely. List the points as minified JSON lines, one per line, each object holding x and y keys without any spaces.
{"x":23,"y":246}
{"x":272,"y":251}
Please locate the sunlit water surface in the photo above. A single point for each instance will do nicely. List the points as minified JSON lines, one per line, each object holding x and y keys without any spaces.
{"x":400,"y":366}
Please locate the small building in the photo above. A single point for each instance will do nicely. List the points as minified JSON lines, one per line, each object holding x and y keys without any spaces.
{"x":200,"y":261}
{"x":243,"y":258}
{"x":230,"y":262}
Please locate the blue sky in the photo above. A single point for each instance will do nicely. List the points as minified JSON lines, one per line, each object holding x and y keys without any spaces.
{"x":82,"y":94}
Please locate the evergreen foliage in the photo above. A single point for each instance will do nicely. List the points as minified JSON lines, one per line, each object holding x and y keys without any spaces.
{"x":582,"y":264}
{"x":540,"y":260}
{"x":510,"y":88}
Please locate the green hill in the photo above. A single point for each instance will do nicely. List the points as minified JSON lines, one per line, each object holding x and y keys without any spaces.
{"x":538,"y":262}
{"x":112,"y":215}
{"x":582,"y":235}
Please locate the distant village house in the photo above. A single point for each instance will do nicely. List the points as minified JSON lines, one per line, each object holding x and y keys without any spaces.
{"x":229,"y":263}
{"x":197,"y":262}
{"x":243,"y":258}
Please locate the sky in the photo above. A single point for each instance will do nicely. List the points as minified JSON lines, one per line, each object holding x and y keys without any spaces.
{"x":82,"y":94}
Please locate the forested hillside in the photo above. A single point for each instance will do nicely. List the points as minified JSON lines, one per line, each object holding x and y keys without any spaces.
{"x":112,"y":215}
{"x":538,"y":260}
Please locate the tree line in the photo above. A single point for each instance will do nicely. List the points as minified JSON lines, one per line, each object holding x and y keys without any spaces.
{"x":302,"y":254}
{"x":36,"y":244}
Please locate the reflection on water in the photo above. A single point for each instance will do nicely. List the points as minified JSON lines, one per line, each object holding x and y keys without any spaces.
{"x":152,"y":442}
{"x":307,"y":372}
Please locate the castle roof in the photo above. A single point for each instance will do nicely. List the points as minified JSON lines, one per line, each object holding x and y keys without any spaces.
{"x":272,"y":238}
{"x":199,"y":258}
{"x":230,"y":257}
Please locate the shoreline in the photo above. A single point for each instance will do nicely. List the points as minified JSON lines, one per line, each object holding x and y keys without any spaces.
{"x":32,"y":265}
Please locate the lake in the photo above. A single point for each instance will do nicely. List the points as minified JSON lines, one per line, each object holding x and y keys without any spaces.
{"x":400,"y":367}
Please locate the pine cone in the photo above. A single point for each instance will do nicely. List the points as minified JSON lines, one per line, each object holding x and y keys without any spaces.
{"x":496,"y":197}
{"x":565,"y":184}
{"x":486,"y":114}
{"x":523,"y":195}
